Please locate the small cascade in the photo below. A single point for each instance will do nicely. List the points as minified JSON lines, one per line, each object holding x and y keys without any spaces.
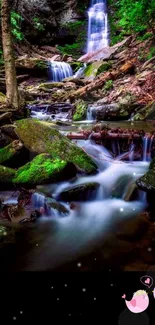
{"x":39,"y":201}
{"x":90,"y":113}
{"x":59,"y":70}
{"x":97,"y":26}
{"x":147,"y":145}
{"x":131,"y":152}
{"x":79,"y":72}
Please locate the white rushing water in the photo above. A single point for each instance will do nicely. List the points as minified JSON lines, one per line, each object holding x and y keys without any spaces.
{"x":147,"y":145}
{"x":61,"y":239}
{"x":59,"y":70}
{"x":80,"y":71}
{"x":97,"y":26}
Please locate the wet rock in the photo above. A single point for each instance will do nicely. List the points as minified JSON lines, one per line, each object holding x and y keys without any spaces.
{"x":147,"y":182}
{"x":9,"y":211}
{"x":113,"y":112}
{"x":42,"y":170}
{"x":6,"y":176}
{"x":79,"y":192}
{"x":5,"y":116}
{"x":40,"y":138}
{"x":57,"y":206}
{"x":9,"y":130}
{"x":80,"y":111}
{"x":10,"y":151}
{"x":148,"y":112}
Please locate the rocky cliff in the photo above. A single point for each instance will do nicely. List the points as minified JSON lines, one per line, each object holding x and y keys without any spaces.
{"x":53,"y":21}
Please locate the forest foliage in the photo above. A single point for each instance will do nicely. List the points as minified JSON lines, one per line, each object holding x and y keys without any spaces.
{"x":127,"y":17}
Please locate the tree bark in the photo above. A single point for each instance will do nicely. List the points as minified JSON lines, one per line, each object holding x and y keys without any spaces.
{"x":9,"y":60}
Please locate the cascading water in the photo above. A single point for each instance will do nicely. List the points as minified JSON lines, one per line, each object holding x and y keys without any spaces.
{"x":59,"y":70}
{"x":60,"y":238}
{"x":80,"y":71}
{"x":97,"y":26}
{"x":147,"y":145}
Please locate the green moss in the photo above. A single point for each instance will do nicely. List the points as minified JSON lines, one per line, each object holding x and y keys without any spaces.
{"x":6,"y":175}
{"x":78,"y":29}
{"x":2,"y":98}
{"x":92,"y":69}
{"x":42,"y":169}
{"x":6,"y":153}
{"x":108,"y":85}
{"x":41,"y":64}
{"x":80,"y":111}
{"x":104,"y":67}
{"x":39,"y":138}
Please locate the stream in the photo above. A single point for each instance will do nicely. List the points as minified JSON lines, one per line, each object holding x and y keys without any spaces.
{"x":58,"y":238}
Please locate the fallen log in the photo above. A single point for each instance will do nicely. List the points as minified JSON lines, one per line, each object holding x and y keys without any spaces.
{"x":103,"y":135}
{"x":100,"y":81}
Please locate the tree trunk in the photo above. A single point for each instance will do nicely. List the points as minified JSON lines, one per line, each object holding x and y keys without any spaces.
{"x":9,"y":60}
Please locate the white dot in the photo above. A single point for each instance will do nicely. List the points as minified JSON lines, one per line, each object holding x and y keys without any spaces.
{"x":79,"y":265}
{"x":51,"y":287}
{"x":84,"y":290}
{"x":134,"y":174}
{"x":149,"y":249}
{"x":57,"y":298}
{"x":111,"y":285}
{"x":14,"y":318}
{"x":134,"y":209}
{"x":95,"y":259}
{"x":5,"y":233}
{"x":121,"y":209}
{"x":69,"y":314}
{"x":109,"y":270}
{"x":94,"y":298}
{"x":65,"y":285}
{"x":36,"y":244}
{"x":21,"y":312}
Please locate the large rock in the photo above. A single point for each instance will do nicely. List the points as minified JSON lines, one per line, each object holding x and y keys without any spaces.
{"x":79,"y":192}
{"x":147,"y":181}
{"x":42,"y":170}
{"x":147,"y":112}
{"x":80,"y":111}
{"x":39,"y":138}
{"x":113,"y":112}
{"x":9,"y":151}
{"x":6,"y":176}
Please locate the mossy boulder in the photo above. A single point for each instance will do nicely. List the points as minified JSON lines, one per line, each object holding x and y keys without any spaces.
{"x":95,"y":68}
{"x":6,"y":176}
{"x":80,"y":111}
{"x":91,"y":70}
{"x":9,"y":151}
{"x":80,"y":192}
{"x":41,"y":170}
{"x":104,"y":67}
{"x":147,"y":181}
{"x":40,"y":138}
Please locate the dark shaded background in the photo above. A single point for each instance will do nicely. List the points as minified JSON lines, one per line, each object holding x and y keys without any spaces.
{"x":72,"y":297}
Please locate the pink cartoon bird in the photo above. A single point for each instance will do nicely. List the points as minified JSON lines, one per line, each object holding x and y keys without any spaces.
{"x":138,"y":303}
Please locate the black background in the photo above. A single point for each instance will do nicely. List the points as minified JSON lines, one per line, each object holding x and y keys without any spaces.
{"x":45,"y":298}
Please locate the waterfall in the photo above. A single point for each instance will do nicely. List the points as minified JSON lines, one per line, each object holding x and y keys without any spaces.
{"x":59,"y":70}
{"x":147,"y":145}
{"x":90,"y":116}
{"x":79,"y":72}
{"x":97,"y":26}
